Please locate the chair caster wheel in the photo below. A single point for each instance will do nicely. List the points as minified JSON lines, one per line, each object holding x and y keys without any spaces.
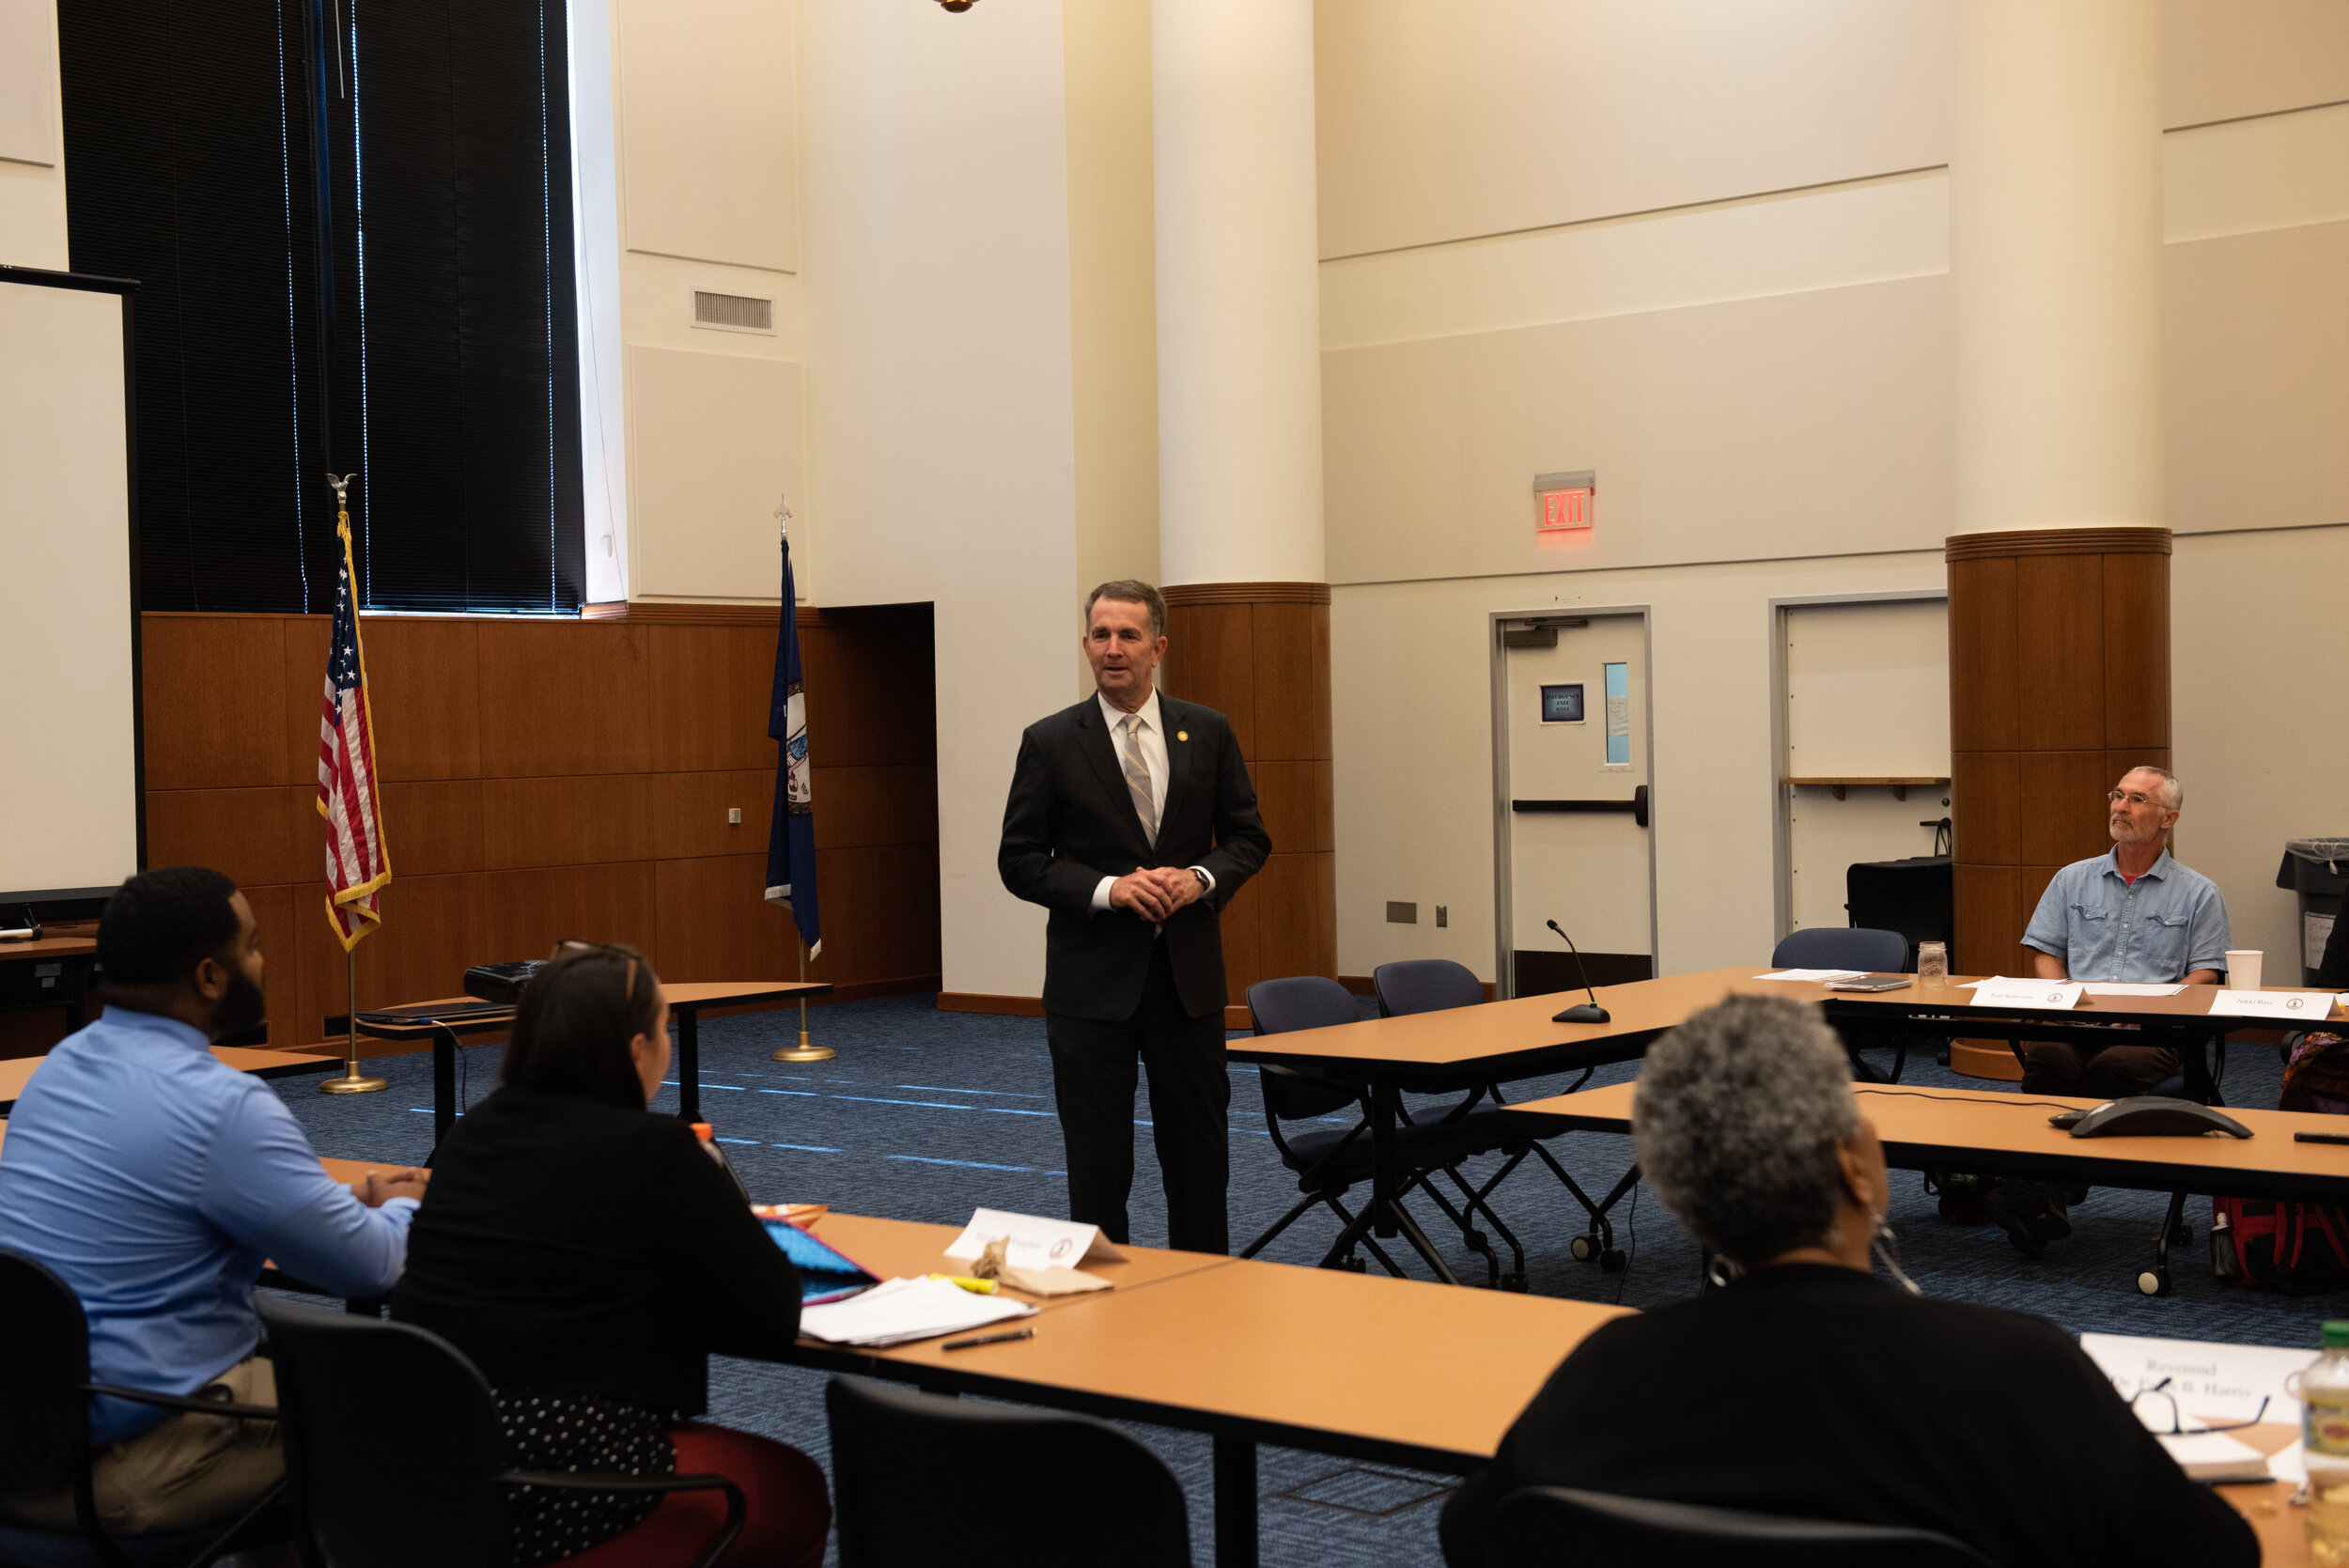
{"x":2153,"y":1281}
{"x":1612,"y":1261}
{"x":1512,"y":1282}
{"x":1584,"y":1248}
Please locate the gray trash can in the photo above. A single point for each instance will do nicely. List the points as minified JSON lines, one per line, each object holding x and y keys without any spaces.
{"x":2318,"y":870}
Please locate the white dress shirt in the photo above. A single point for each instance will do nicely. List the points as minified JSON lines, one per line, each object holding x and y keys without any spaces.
{"x":1152,"y":739}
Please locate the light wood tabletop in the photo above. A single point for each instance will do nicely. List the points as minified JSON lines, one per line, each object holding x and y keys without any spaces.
{"x":895,"y":1248}
{"x":49,"y":947}
{"x":683,"y":997}
{"x":1316,"y":1358}
{"x":1927,"y":1128}
{"x":16,"y":1071}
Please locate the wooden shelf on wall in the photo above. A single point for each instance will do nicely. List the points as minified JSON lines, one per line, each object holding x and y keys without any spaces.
{"x":1836,"y":786}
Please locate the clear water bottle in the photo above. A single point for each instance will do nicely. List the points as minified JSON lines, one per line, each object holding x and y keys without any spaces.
{"x":708,"y":1135}
{"x":2323,"y":1392}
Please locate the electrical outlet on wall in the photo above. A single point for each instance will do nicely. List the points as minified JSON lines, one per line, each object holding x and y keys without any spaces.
{"x":734,"y":816}
{"x":1443,"y":914}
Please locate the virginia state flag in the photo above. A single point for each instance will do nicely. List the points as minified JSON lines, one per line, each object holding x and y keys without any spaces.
{"x":791,"y":842}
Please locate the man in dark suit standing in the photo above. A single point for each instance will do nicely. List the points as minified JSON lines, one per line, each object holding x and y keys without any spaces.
{"x":1132,"y":818}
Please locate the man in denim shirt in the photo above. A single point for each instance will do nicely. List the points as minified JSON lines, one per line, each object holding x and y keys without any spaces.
{"x":2133,"y":915}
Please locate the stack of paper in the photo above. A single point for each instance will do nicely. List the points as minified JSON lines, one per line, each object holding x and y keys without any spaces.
{"x":2213,"y":1457}
{"x":900,"y":1311}
{"x":1812,"y":974}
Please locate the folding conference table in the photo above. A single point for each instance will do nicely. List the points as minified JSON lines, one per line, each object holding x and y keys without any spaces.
{"x":444,"y":1022}
{"x":1247,"y":1352}
{"x":1501,"y":1042}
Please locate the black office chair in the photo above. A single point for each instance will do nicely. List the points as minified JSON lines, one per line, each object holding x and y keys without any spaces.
{"x":356,"y":1389}
{"x":1558,"y":1526}
{"x":1329,"y":1160}
{"x":919,"y":1479}
{"x":44,"y":1435}
{"x":1853,"y":947}
{"x":1432,"y":985}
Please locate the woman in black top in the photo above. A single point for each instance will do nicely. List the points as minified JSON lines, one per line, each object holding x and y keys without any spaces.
{"x":1808,"y":1387}
{"x":588,"y":1256}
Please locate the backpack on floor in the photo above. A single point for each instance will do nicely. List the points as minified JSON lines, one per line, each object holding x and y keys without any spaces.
{"x":2298,"y":1249}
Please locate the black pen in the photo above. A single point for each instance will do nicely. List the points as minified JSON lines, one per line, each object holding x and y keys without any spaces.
{"x":992,"y":1338}
{"x":2321,"y":1137}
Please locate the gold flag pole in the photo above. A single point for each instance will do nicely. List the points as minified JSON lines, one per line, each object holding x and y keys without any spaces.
{"x":805,"y":1051}
{"x":351,"y":1082}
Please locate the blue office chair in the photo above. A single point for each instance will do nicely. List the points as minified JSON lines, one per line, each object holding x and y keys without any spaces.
{"x":1853,"y":947}
{"x":920,"y":1479}
{"x":1330,"y":1159}
{"x":1432,"y":985}
{"x":1558,"y":1526}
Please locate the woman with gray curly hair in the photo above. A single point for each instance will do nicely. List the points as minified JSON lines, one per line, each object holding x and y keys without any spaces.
{"x":1812,"y":1389}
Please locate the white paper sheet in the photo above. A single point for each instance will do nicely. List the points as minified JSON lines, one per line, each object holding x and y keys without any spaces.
{"x":1033,"y":1242}
{"x":900,"y":1311}
{"x":1812,"y":974}
{"x":2216,"y":1456}
{"x":2211,"y":1381}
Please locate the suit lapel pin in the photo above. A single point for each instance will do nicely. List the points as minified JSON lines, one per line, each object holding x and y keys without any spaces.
{"x":1182,"y":734}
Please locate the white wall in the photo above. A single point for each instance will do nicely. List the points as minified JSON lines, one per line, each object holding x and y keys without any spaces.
{"x":1729,"y":297}
{"x":32,"y":138}
{"x":941,"y":444}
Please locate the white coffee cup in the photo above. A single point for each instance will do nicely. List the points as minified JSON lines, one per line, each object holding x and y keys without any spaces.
{"x":2243,"y":968}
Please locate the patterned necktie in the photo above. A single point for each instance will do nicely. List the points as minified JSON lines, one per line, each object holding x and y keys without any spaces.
{"x":1137,"y":778}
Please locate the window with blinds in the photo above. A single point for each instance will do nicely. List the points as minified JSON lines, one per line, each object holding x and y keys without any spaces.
{"x":455,"y":354}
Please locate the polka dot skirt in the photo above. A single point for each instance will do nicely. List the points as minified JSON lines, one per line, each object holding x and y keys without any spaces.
{"x":575,"y":1433}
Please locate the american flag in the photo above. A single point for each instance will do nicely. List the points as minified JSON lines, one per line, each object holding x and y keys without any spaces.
{"x":357,"y":862}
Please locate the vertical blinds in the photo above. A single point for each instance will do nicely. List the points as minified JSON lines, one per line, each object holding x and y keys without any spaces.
{"x":187,"y":153}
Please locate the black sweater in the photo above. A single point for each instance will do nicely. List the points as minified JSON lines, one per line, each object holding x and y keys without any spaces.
{"x":1820,"y":1392}
{"x":573,"y":1247}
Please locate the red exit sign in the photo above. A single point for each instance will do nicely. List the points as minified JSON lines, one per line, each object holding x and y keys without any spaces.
{"x":1565,"y":500}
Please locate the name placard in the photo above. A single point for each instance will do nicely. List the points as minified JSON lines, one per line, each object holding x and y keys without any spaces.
{"x":2292,"y":1006}
{"x":1033,"y":1242}
{"x":2001,"y":991}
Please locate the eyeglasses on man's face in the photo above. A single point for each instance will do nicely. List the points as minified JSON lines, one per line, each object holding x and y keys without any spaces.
{"x":2133,"y":797}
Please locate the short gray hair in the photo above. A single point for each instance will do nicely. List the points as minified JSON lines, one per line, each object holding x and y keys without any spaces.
{"x":1128,"y":590}
{"x":1736,"y":1120}
{"x":2172,"y":792}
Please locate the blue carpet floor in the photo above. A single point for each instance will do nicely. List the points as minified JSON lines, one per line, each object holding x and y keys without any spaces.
{"x":926,"y":1115}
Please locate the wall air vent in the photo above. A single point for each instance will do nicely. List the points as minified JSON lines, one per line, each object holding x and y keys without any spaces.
{"x":739,"y":312}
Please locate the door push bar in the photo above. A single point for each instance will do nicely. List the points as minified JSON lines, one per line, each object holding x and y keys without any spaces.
{"x":1637,"y":805}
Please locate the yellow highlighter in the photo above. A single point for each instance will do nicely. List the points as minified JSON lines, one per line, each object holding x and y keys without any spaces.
{"x":976,"y":1287}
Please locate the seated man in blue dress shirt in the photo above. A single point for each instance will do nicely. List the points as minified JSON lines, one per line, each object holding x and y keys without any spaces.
{"x":154,"y":1179}
{"x":2134,"y":915}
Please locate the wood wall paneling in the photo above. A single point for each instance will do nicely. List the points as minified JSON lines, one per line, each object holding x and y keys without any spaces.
{"x":1210,"y":660}
{"x":1325,"y":808}
{"x":580,"y":704}
{"x":434,"y":928}
{"x":867,"y":671}
{"x":1988,"y":824}
{"x":716,"y":924}
{"x":1288,"y":799}
{"x":711,"y":690}
{"x":2137,"y":651}
{"x":250,"y":834}
{"x":1985,"y":677}
{"x":1986,"y":932}
{"x":1242,"y":922}
{"x":891,"y":803}
{"x":214,"y":691}
{"x":303,"y":692}
{"x":424,"y":682}
{"x":433,"y":827}
{"x":578,"y":820}
{"x":689,"y":812}
{"x":2059,"y":641}
{"x":527,"y":912}
{"x":280,"y":980}
{"x":2063,"y":815}
{"x":1284,"y":683}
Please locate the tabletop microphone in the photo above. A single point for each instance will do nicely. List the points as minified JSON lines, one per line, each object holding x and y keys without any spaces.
{"x":1582,"y":1012}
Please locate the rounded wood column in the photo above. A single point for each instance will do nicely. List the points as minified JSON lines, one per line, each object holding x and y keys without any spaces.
{"x":2059,"y":684}
{"x":1259,"y":653}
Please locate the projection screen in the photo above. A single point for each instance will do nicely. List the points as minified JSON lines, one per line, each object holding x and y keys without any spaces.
{"x":71,"y":801}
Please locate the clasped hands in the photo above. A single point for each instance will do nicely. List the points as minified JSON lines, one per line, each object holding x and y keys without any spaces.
{"x":1155,"y":891}
{"x":377,"y":1186}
